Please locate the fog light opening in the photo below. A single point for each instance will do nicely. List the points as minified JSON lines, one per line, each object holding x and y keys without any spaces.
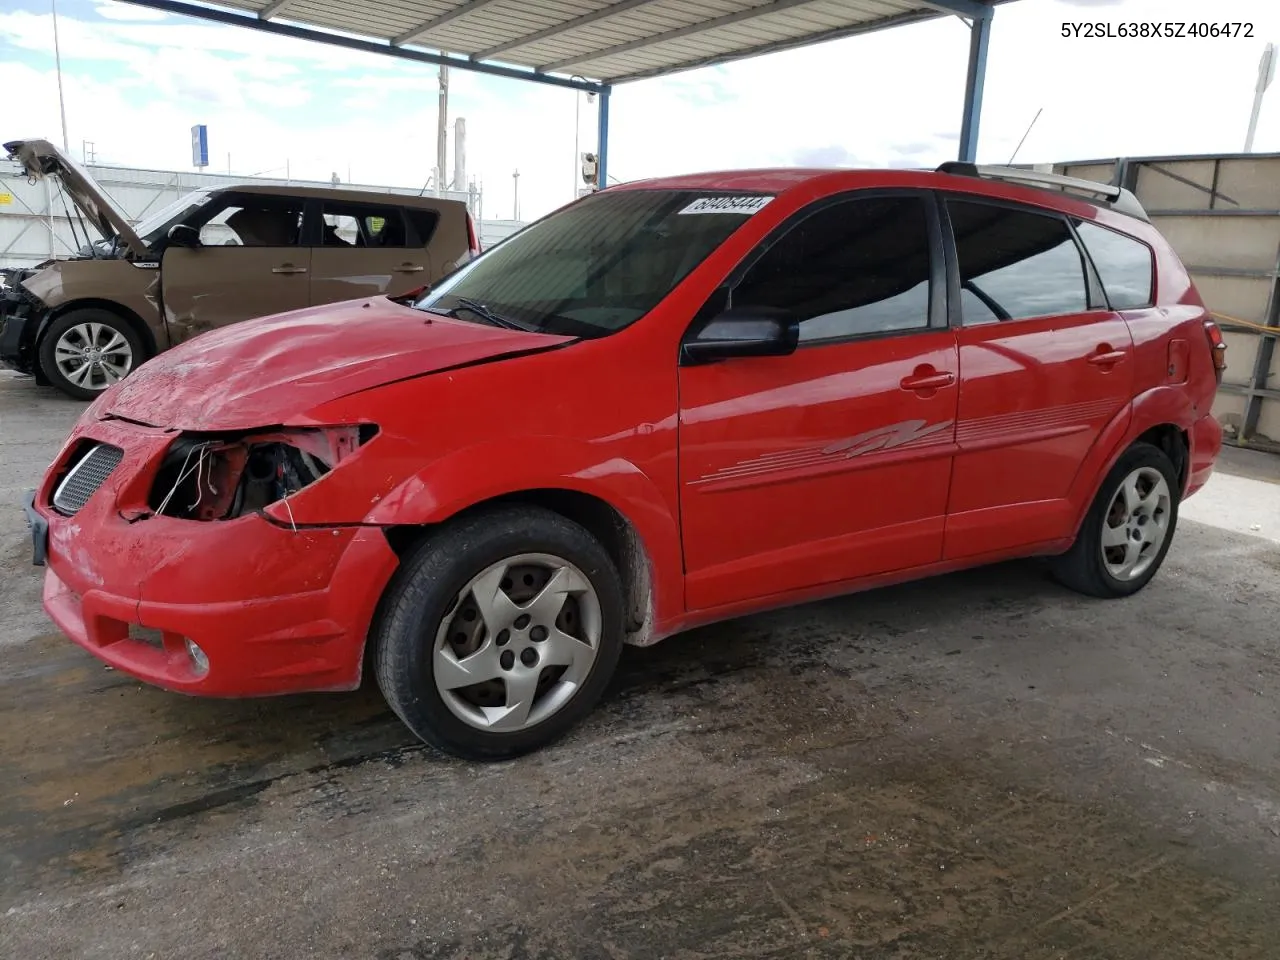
{"x":198,"y":658}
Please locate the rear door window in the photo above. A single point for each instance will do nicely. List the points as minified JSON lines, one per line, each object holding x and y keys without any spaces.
{"x":364,"y":226}
{"x":1015,"y":264}
{"x":1125,"y":265}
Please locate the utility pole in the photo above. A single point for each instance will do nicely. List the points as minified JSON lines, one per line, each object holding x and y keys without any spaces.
{"x":1266,"y":72}
{"x":515,"y":212}
{"x":442,"y":132}
{"x":57,"y":61}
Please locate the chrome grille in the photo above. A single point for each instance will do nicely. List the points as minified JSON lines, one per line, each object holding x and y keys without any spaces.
{"x":84,"y":479}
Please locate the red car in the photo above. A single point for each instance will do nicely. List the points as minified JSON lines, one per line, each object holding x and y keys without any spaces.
{"x":665,"y":404}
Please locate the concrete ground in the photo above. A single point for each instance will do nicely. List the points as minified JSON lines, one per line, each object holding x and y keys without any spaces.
{"x":982,"y":765}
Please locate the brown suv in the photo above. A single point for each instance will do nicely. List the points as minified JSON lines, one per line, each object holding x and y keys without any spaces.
{"x":211,"y":258}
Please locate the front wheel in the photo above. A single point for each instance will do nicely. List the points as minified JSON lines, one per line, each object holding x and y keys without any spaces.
{"x":500,"y":633}
{"x":87,"y":350}
{"x":1128,"y":529}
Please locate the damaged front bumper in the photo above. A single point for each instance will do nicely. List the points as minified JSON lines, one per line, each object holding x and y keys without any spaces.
{"x":236,"y":607}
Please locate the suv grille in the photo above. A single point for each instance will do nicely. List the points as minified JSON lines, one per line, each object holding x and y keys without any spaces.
{"x":84,"y":479}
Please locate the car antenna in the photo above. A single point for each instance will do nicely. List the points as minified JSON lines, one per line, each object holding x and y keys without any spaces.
{"x":1024,"y":136}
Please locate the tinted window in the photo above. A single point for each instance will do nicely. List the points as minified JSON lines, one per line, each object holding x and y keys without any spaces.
{"x":1124,"y":265}
{"x":1015,"y":264}
{"x":597,"y":265}
{"x":857,"y":267}
{"x":255,"y":222}
{"x":422,"y":226}
{"x":358,"y":225}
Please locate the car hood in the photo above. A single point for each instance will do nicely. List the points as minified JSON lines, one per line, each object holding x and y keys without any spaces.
{"x":40,"y":158}
{"x":275,"y":369}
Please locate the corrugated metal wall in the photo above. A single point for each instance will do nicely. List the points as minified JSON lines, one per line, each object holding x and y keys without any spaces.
{"x":34,"y":225}
{"x":1221,"y":213}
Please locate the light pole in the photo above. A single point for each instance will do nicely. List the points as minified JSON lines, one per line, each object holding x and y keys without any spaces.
{"x":1266,"y":73}
{"x":57,"y":62}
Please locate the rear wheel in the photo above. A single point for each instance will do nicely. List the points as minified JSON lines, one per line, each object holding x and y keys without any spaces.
{"x":500,"y":633}
{"x":87,"y":350}
{"x":1129,"y":527}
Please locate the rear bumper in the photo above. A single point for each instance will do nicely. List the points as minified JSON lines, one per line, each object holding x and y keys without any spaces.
{"x":1206,"y":444}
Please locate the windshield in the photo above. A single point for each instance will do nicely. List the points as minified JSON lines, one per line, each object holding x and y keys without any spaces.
{"x":595,"y":266}
{"x":156,"y":227}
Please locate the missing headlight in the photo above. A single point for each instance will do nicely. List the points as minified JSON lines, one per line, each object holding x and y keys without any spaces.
{"x":207,"y":477}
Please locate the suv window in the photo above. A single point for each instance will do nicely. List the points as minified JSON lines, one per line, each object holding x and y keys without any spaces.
{"x":1015,"y":264}
{"x":856,"y":267}
{"x":255,"y":222}
{"x":1125,"y":265}
{"x":361,"y":225}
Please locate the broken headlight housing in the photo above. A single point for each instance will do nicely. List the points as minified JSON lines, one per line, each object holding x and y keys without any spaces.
{"x":225,"y":476}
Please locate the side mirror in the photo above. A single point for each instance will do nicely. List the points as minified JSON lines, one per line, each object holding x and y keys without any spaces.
{"x":182,"y":235}
{"x":745,"y":332}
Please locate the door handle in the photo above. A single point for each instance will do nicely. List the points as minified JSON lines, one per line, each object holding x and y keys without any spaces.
{"x":927,"y":381}
{"x":1106,"y":358}
{"x":288,"y":268}
{"x":409,"y":268}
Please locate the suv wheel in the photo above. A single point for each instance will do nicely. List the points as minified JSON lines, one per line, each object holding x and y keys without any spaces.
{"x":85,"y":351}
{"x":1129,"y":527}
{"x":500,"y":633}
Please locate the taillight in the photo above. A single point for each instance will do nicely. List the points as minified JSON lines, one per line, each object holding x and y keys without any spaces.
{"x":1217,"y":347}
{"x":473,"y":241}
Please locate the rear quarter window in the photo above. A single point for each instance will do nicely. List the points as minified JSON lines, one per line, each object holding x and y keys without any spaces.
{"x":1125,"y":266}
{"x":422,"y":226}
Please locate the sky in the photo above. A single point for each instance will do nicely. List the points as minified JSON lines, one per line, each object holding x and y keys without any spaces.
{"x":135,"y":81}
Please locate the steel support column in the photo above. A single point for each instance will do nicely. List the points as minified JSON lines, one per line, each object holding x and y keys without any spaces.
{"x":975,"y":77}
{"x":602,"y":148}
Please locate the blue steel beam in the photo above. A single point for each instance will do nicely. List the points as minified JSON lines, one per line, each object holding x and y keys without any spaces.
{"x":975,"y":78}
{"x":602,"y":149}
{"x":973,"y":9}
{"x":363,"y":46}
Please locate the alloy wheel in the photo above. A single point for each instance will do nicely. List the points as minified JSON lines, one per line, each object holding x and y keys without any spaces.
{"x":1136,"y":524}
{"x":93,"y":356}
{"x":517,"y":642}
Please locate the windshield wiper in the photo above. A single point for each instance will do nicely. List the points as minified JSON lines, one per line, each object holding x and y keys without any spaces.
{"x":496,"y":319}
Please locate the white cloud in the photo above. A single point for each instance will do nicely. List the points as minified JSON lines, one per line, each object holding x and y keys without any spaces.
{"x":127,"y":11}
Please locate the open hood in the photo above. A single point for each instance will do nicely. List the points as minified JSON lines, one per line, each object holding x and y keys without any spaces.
{"x":40,"y":158}
{"x":275,"y":369}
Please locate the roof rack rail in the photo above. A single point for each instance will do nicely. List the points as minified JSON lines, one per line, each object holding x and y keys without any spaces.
{"x":1115,"y":198}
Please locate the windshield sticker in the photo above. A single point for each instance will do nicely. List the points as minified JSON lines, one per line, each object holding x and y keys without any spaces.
{"x":743,"y":206}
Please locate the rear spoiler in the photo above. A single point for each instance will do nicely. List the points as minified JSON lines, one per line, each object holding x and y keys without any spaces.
{"x":1114,"y":198}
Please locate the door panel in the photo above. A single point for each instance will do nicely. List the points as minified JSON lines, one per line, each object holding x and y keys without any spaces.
{"x":814,"y":468}
{"x":212,"y":286}
{"x":833,"y":462}
{"x":339,"y":274}
{"x":1035,"y":390}
{"x":1032,"y":402}
{"x":366,"y":250}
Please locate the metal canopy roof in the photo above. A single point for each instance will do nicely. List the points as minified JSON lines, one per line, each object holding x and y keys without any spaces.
{"x":608,"y":41}
{"x":564,"y":42}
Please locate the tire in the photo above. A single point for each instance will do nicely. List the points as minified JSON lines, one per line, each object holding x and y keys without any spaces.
{"x":84,"y":330}
{"x":1128,"y":562}
{"x":457,"y":673}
